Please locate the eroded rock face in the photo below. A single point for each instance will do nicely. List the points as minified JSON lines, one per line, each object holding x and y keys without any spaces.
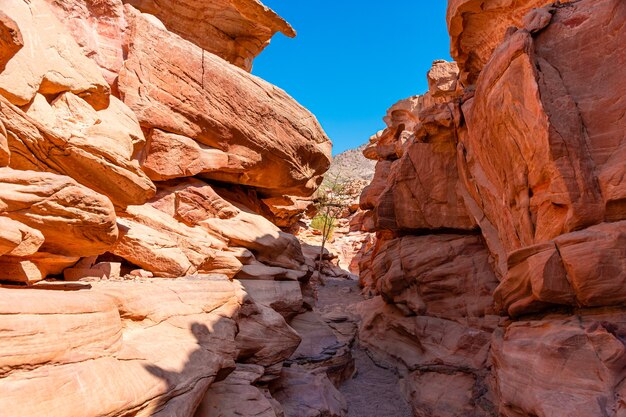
{"x":73,"y":219}
{"x":437,"y":275}
{"x":60,"y":64}
{"x":11,"y":39}
{"x":538,"y":171}
{"x":98,"y":146}
{"x":477,"y":27}
{"x":583,"y":355}
{"x":198,"y":317}
{"x":86,"y":336}
{"x":172,"y":85}
{"x":235,"y":30}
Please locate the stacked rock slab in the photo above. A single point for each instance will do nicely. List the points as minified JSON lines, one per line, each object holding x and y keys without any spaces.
{"x":141,"y":161}
{"x":526,"y":221}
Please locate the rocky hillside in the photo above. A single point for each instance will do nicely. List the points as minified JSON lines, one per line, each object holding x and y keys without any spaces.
{"x":498,"y":203}
{"x":352,"y":165}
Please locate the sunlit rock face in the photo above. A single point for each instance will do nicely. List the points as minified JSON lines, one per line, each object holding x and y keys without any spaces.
{"x":532,"y":196}
{"x":143,"y":172}
{"x":235,"y":30}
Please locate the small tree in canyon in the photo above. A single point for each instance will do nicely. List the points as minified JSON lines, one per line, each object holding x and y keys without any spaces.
{"x":330,"y":200}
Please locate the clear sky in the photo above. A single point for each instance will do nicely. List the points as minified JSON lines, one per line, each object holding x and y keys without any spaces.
{"x":353,"y":59}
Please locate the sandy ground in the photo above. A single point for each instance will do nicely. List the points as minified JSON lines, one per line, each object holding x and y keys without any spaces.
{"x":373,"y":391}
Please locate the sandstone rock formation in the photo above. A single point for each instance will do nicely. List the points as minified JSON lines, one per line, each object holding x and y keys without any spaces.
{"x":142,"y":172}
{"x":235,"y":30}
{"x":171,"y":338}
{"x":252,"y":132}
{"x":499,"y":193}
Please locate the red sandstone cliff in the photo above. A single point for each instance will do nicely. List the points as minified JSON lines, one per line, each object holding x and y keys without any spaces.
{"x":498,"y":203}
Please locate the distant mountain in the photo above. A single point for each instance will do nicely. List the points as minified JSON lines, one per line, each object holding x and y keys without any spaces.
{"x":352,"y":165}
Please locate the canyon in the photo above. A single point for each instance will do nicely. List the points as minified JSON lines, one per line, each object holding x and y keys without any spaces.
{"x":156,"y":250}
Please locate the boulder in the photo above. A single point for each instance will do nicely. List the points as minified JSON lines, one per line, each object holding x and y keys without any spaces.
{"x":70,"y":138}
{"x":285,"y":297}
{"x":321,"y":348}
{"x":196,"y":204}
{"x":158,"y":243}
{"x":235,"y":30}
{"x":264,"y":337}
{"x":305,"y":394}
{"x":17,"y":239}
{"x":236,"y":396}
{"x":74,"y":220}
{"x":175,"y":86}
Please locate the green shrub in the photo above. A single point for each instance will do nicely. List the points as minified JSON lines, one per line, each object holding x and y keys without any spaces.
{"x":321,"y":220}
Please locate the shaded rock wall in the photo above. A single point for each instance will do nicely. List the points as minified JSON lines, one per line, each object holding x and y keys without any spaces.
{"x":498,"y":267}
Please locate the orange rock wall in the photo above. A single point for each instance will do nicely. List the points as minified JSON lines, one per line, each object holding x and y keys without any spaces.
{"x":498,"y":205}
{"x":143,"y":173}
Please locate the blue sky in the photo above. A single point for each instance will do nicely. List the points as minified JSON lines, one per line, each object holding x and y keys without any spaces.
{"x":353,"y":59}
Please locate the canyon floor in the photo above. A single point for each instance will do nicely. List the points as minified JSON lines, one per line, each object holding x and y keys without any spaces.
{"x":373,"y":391}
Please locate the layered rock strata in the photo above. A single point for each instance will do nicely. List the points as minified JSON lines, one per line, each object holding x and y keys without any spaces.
{"x":143,"y":174}
{"x":498,"y":267}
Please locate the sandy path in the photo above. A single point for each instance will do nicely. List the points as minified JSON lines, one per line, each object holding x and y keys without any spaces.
{"x":373,"y":391}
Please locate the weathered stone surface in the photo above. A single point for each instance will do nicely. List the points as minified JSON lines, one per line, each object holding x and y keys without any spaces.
{"x":477,"y":27}
{"x":412,"y":200}
{"x":74,"y":220}
{"x":434,"y":394}
{"x":305,"y":394}
{"x":530,"y":169}
{"x":584,"y":268}
{"x":70,"y":138}
{"x":60,"y":65}
{"x":394,"y":338}
{"x":101,"y":270}
{"x":443,"y":78}
{"x":169,"y":156}
{"x":446,"y":276}
{"x":158,"y":243}
{"x":98,"y":28}
{"x":264,"y":338}
{"x":150,"y":348}
{"x":235,"y":30}
{"x":11,"y":39}
{"x":571,"y":366}
{"x":174,"y":86}
{"x":235,"y":396}
{"x":536,"y":120}
{"x":594,"y":87}
{"x":17,"y":239}
{"x":196,"y":204}
{"x":33,"y":268}
{"x":420,"y":139}
{"x":283,"y":296}
{"x":321,"y":348}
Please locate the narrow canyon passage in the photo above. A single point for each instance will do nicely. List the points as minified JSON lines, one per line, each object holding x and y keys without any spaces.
{"x":373,"y":391}
{"x":180,"y":237}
